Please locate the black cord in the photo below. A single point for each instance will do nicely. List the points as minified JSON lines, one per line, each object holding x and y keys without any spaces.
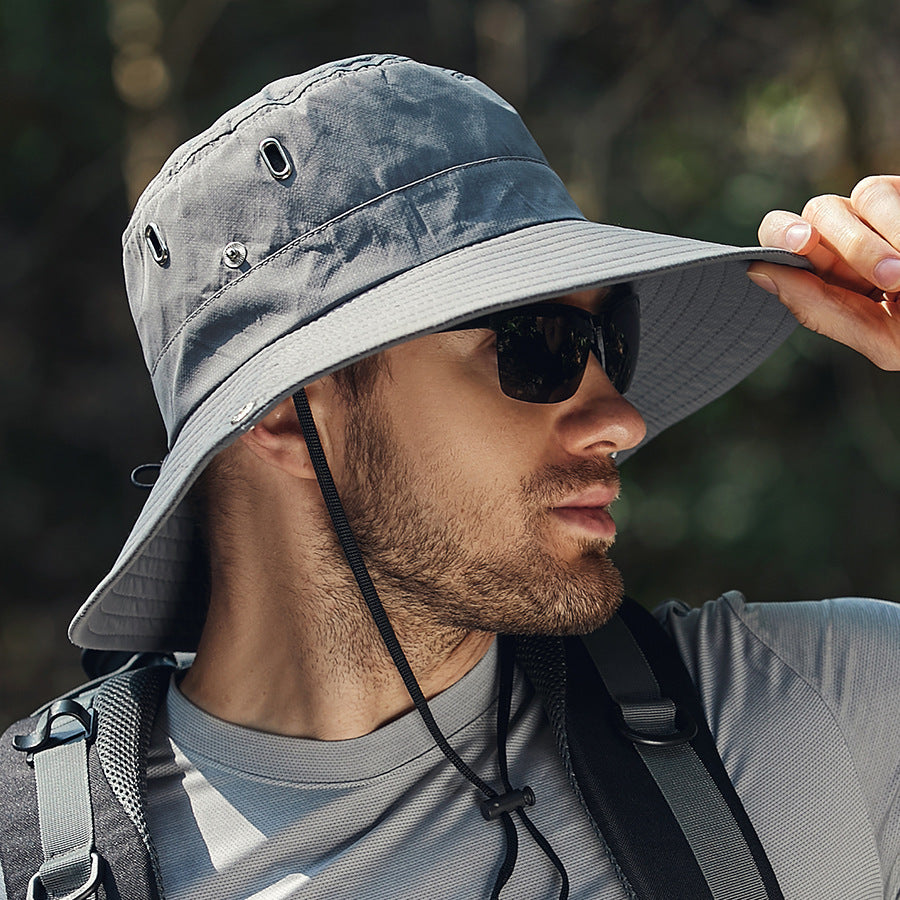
{"x":389,"y":636}
{"x":358,"y":567}
{"x":504,"y":705}
{"x":544,"y":844}
{"x":509,"y":860}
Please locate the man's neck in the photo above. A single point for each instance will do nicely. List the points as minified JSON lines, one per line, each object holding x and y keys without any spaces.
{"x":310,"y":662}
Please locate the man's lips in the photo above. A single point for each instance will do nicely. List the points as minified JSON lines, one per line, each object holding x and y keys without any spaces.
{"x":599,"y":496}
{"x":588,"y":511}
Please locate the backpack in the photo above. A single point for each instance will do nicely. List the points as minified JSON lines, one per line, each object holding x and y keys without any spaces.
{"x":619,"y":700}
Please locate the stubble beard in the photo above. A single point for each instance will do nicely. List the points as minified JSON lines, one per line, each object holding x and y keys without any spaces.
{"x":430,"y":553}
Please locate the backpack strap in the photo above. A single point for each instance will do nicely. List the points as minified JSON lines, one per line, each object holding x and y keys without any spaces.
{"x":77,"y":830}
{"x":683,"y":817}
{"x":71,"y":866}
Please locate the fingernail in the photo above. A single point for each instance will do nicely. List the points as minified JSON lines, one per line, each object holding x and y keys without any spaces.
{"x":763,"y":281}
{"x":797,"y":236}
{"x":887,"y":274}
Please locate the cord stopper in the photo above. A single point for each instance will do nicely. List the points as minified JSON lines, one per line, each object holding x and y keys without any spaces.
{"x":494,"y":807}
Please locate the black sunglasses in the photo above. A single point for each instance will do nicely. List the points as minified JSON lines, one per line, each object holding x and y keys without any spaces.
{"x":543,"y":349}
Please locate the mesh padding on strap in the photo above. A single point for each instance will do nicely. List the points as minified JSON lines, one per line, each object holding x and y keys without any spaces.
{"x":127,"y":706}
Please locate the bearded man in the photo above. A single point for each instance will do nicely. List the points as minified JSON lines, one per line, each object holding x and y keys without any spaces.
{"x":399,"y":371}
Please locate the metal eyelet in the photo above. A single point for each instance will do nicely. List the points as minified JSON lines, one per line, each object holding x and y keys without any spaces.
{"x":234,"y":255}
{"x":156,"y":243}
{"x":276,"y":159}
{"x":243,"y":413}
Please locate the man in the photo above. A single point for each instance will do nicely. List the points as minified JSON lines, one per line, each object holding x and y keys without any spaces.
{"x":404,"y":370}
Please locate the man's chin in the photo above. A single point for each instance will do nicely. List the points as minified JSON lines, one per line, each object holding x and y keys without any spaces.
{"x":579,"y":604}
{"x":585,"y":625}
{"x":582,"y":621}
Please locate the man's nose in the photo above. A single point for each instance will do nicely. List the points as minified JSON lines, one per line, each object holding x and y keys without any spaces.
{"x":598,"y":419}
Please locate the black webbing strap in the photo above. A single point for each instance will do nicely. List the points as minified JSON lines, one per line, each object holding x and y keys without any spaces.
{"x":662,"y":798}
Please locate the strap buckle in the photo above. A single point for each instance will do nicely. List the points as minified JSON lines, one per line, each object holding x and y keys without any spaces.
{"x":656,"y":724}
{"x":43,"y":737}
{"x":88,"y":888}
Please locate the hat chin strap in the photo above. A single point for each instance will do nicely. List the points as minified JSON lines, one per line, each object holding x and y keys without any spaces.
{"x":494,"y":805}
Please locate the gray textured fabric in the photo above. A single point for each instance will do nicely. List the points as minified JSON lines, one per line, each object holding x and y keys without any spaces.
{"x":797,"y":697}
{"x":417,"y":200}
{"x":66,"y":818}
{"x":800,"y":698}
{"x":383,"y":816}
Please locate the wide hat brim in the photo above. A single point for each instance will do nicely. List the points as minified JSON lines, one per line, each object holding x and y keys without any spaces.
{"x":705,"y":326}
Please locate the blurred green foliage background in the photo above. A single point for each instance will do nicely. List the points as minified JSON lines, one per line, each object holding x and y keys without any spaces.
{"x":688,"y":117}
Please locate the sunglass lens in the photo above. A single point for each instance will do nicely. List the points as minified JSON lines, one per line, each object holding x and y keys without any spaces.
{"x":541,"y":357}
{"x":620,"y":325}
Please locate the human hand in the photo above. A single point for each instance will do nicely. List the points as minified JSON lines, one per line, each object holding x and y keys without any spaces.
{"x":853,"y":244}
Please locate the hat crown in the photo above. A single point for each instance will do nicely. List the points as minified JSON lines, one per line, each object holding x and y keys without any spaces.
{"x":374,"y":173}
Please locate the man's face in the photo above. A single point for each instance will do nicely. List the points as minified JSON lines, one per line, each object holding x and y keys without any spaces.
{"x":479,"y":511}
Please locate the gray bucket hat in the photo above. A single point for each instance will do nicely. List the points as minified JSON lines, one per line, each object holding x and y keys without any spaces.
{"x":342,"y":211}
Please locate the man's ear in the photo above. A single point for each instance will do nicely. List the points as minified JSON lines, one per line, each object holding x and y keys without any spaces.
{"x":278,"y":439}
